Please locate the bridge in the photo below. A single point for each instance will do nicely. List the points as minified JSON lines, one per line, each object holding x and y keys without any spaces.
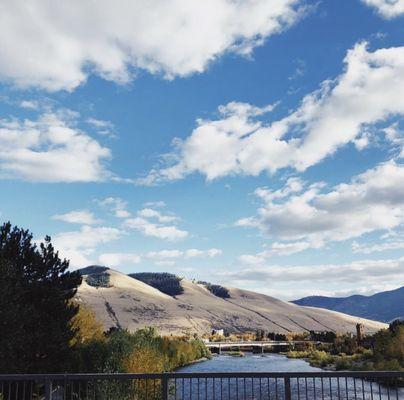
{"x":318,"y":385}
{"x":256,"y":344}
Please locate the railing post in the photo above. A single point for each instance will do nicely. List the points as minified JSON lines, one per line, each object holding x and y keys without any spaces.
{"x":164,"y":387}
{"x":48,"y":389}
{"x":288,"y":393}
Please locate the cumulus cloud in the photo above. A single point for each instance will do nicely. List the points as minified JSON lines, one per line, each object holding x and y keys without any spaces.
{"x":83,"y":217}
{"x":151,"y":222}
{"x":387,"y":8}
{"x":193,"y":253}
{"x":78,"y":246}
{"x":167,"y":256}
{"x":383,"y":246}
{"x":148,"y":228}
{"x":365,"y":271}
{"x":372,"y":201}
{"x":276,"y":249}
{"x":116,"y":205}
{"x":154,"y":204}
{"x":119,"y":259}
{"x":58,"y":47}
{"x":50,"y":149}
{"x":154,"y":214}
{"x":103,"y":128}
{"x":241,"y":142}
{"x":29,"y":104}
{"x":164,"y":254}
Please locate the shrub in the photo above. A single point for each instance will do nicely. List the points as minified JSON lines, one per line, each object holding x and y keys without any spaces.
{"x":217,"y":290}
{"x":167,"y":283}
{"x":98,"y":280}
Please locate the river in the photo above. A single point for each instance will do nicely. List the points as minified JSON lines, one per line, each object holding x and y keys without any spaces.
{"x":250,"y":363}
{"x":271,"y":389}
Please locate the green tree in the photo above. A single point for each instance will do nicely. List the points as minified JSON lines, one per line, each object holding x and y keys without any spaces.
{"x":35,"y":306}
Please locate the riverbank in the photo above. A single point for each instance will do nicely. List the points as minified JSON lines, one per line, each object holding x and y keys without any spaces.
{"x":330,"y":362}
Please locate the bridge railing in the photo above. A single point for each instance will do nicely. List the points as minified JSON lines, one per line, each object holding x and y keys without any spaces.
{"x":209,"y":386}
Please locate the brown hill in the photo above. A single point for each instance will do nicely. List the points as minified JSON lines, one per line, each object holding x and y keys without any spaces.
{"x":129,"y":303}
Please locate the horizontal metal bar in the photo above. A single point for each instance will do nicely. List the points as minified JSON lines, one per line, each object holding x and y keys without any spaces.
{"x":172,"y":375}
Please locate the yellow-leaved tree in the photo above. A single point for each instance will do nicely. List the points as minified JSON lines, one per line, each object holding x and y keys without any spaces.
{"x":86,"y":327}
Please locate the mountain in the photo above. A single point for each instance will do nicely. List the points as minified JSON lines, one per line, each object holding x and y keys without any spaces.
{"x":122,"y":301}
{"x":383,"y":306}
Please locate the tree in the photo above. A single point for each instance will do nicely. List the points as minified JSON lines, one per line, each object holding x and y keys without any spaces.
{"x":35,"y":306}
{"x":86,"y":327}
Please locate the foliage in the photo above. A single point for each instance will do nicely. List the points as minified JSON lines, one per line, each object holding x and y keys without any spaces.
{"x":324,"y":336}
{"x":93,"y":269}
{"x":35,"y":307}
{"x":385,"y":352}
{"x":100,"y":279}
{"x":85,"y":326}
{"x":276,"y":336}
{"x":259,"y":335}
{"x":389,"y":348}
{"x":165,"y":282}
{"x":235,"y":353}
{"x":143,"y":351}
{"x":217,"y":290}
{"x":345,"y":344}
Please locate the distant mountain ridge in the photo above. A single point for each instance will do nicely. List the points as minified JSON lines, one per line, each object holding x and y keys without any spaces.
{"x":383,"y":306}
{"x":120,"y":300}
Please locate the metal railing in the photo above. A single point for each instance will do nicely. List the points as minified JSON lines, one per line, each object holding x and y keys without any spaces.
{"x":208,"y":386}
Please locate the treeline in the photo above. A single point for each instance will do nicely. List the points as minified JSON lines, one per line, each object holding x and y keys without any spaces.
{"x":118,"y":350}
{"x":383,"y":350}
{"x":165,"y":282}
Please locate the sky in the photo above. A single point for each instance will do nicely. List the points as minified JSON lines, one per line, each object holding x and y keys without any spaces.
{"x":255,"y":143}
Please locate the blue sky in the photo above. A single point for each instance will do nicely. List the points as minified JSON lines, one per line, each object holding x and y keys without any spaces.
{"x":260,"y":148}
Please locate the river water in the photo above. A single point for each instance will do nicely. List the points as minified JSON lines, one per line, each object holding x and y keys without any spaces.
{"x":250,"y":363}
{"x":273,"y":389}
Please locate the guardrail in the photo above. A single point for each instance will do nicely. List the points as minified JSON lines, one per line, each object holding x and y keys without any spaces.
{"x":208,"y":386}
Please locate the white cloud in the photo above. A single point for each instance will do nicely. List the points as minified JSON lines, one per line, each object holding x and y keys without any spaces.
{"x":50,"y":149}
{"x":30,"y":104}
{"x":193,"y":253}
{"x":364,"y":271}
{"x":58,"y":47}
{"x":119,"y":259}
{"x":387,"y":8}
{"x":117,"y":206}
{"x":83,"y":217}
{"x":148,"y":228}
{"x":240,"y":142}
{"x":153,"y":214}
{"x":395,"y":136}
{"x":151,"y":222}
{"x":372,"y":201}
{"x":103,"y":128}
{"x":276,"y":249}
{"x":78,"y":246}
{"x":154,"y":204}
{"x":164,"y":254}
{"x":384,"y":246}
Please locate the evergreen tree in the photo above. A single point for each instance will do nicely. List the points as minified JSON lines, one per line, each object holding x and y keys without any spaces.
{"x":35,"y":306}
